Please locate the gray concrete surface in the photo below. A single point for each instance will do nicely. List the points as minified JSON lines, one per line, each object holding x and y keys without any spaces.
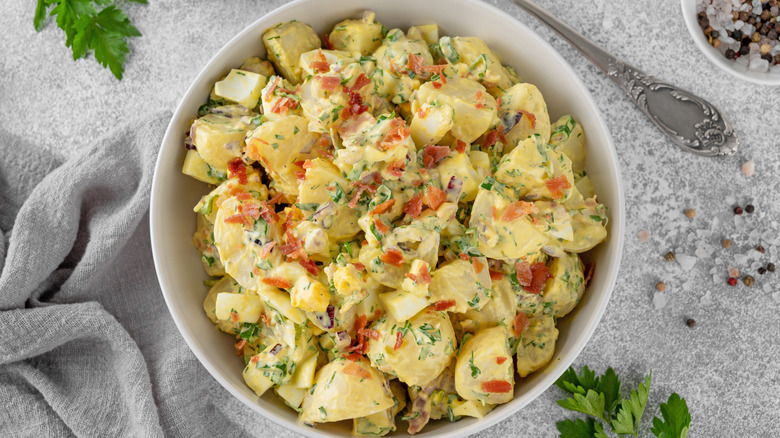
{"x":726,"y":367}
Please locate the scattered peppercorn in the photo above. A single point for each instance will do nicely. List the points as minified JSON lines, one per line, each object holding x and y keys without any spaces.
{"x":730,"y":54}
{"x":762,"y":270}
{"x":748,"y":280}
{"x":760,"y":249}
{"x":669,"y":256}
{"x":750,"y":208}
{"x":660,"y":286}
{"x":738,"y":210}
{"x":726,"y":243}
{"x":691,"y":213}
{"x":732,"y":281}
{"x":770,"y":267}
{"x":690,"y":322}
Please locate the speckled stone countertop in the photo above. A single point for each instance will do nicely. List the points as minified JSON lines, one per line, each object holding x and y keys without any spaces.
{"x":726,"y":366}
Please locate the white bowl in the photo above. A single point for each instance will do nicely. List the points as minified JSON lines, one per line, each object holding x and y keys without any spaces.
{"x":714,"y":55}
{"x":173,"y":195}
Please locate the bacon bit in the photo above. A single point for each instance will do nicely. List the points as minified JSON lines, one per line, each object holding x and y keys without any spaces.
{"x":377,"y":179}
{"x":251,"y":210}
{"x":524,"y":274}
{"x":268,"y":213}
{"x":293,"y":249}
{"x":237,"y":169}
{"x":330,"y":82}
{"x":425,"y":275}
{"x":478,"y":266}
{"x":353,"y":202}
{"x":310,"y":266}
{"x":435,"y":197}
{"x":434,"y":68}
{"x":501,"y":359}
{"x":326,"y":42}
{"x":266,"y":249}
{"x":589,"y":272}
{"x":411,"y":276}
{"x":557,"y":185}
{"x":383,"y":207}
{"x":254,"y":358}
{"x":465,"y":257}
{"x":301,"y":175}
{"x":359,"y":266}
{"x":237,"y":219}
{"x":356,"y":104}
{"x":433,"y":154}
{"x":283,"y":105}
{"x":353,"y":369}
{"x":531,"y":118}
{"x":540,"y":275}
{"x":270,"y":93}
{"x":518,"y":210}
{"x":321,"y":64}
{"x":498,"y":104}
{"x":370,"y":333}
{"x":480,"y":100}
{"x":520,"y":323}
{"x":443,"y":305}
{"x":399,"y":341}
{"x":360,"y":323}
{"x":393,"y":257}
{"x":234,"y":316}
{"x":279,"y":282}
{"x":240,"y":347}
{"x":243,"y":196}
{"x":397,"y":133}
{"x":361,"y":81}
{"x":257,"y":271}
{"x":418,"y":182}
{"x":422,"y":112}
{"x":415,"y":63}
{"x":287,"y":226}
{"x":460,"y":146}
{"x":364,"y":242}
{"x":500,"y":131}
{"x":436,"y":85}
{"x":496,"y":386}
{"x":413,"y":207}
{"x":396,"y":168}
{"x":490,"y":140}
{"x":354,"y":356}
{"x":266,"y":319}
{"x":381,"y":226}
{"x":496,"y":275}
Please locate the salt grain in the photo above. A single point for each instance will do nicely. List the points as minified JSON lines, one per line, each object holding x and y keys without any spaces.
{"x":706,"y":299}
{"x":758,"y":65}
{"x":686,"y":262}
{"x":643,"y":236}
{"x":738,"y":24}
{"x":660,"y":299}
{"x":748,"y":168}
{"x":733,"y":272}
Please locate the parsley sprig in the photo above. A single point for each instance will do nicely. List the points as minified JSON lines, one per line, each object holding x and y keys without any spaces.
{"x":91,"y":25}
{"x":599,"y":397}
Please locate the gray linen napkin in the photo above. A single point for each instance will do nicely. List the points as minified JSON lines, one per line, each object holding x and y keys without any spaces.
{"x":87,"y":346}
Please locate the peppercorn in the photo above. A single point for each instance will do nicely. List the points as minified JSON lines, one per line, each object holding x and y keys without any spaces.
{"x":768,"y":58}
{"x":730,"y":54}
{"x":716,"y":43}
{"x":777,"y":59}
{"x":715,"y":34}
{"x":726,"y":243}
{"x":750,"y":208}
{"x":737,"y":35}
{"x":703,"y":20}
{"x":752,"y":20}
{"x":734,"y":15}
{"x":770,"y":267}
{"x":763,"y":30}
{"x":669,"y":256}
{"x":660,"y":286}
{"x":765,"y":15}
{"x":756,"y":37}
{"x":690,"y":322}
{"x":691,"y":213}
{"x":748,"y":280}
{"x":772,"y":34}
{"x":743,"y":16}
{"x":760,"y":249}
{"x":732,"y":281}
{"x":738,"y":210}
{"x":762,"y":270}
{"x":744,"y":50}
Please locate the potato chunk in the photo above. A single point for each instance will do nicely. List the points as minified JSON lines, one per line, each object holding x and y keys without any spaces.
{"x":483,"y":371}
{"x":345,"y":389}
{"x":564,"y":290}
{"x":523,"y":114}
{"x":476,"y":61}
{"x":285,"y":43}
{"x":219,"y":138}
{"x":427,"y":345}
{"x":359,"y":37}
{"x":242,"y":87}
{"x":537,"y":345}
{"x":568,"y":138}
{"x":467,"y":283}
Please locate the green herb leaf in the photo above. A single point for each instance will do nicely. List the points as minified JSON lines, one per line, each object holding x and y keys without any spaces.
{"x":609,"y":385}
{"x":676,"y":419}
{"x":588,"y":428}
{"x":630,"y":410}
{"x":592,"y":403}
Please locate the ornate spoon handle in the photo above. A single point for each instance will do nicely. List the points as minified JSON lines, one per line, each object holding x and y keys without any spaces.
{"x":689,"y":121}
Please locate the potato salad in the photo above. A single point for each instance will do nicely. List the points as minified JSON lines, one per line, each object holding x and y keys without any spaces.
{"x":394,"y":223}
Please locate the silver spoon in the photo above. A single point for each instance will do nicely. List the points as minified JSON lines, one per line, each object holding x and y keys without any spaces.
{"x":689,"y":121}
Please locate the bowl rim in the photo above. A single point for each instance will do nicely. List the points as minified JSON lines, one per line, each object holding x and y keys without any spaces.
{"x":714,"y":56}
{"x":617,"y":231}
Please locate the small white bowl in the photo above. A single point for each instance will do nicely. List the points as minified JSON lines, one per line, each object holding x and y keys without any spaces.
{"x":173,"y":196}
{"x":689,"y":14}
